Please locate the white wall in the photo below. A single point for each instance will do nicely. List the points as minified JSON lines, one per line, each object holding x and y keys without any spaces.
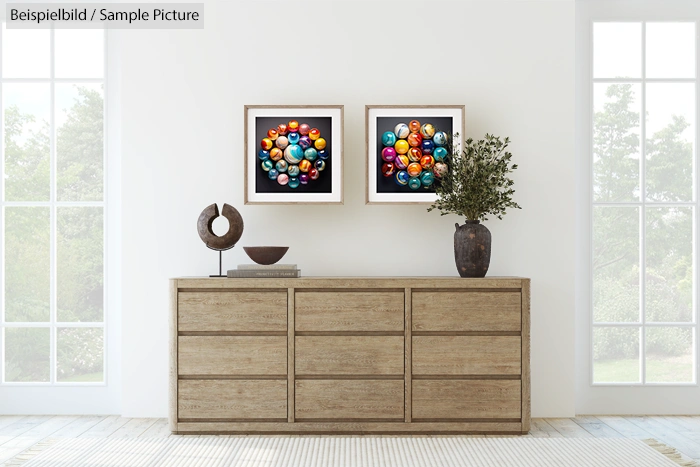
{"x":510,"y":63}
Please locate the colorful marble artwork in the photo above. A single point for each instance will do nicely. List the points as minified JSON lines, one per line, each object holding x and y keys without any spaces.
{"x":402,"y":131}
{"x":276,"y":154}
{"x":402,"y":177}
{"x":283,"y":179}
{"x":304,"y":129}
{"x":388,"y":169}
{"x":440,"y":169}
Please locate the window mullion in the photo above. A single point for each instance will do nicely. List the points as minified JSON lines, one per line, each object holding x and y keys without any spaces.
{"x":53,"y":213}
{"x":643,"y":212}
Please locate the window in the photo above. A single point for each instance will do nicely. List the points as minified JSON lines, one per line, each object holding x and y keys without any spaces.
{"x":644,"y":203}
{"x":52,"y":311}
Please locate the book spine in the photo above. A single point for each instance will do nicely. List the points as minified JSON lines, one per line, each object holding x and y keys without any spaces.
{"x":261,"y":274}
{"x":265,"y":267}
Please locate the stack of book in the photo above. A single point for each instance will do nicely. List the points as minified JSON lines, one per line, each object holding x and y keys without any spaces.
{"x":261,"y":270}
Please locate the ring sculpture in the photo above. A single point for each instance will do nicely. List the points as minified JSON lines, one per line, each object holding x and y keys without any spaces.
{"x":226,"y":241}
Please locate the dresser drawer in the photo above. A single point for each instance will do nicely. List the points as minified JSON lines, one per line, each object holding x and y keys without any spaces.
{"x":232,"y":355}
{"x":212,"y":399}
{"x":232,"y":311}
{"x":466,"y":311}
{"x":349,"y":355}
{"x":466,"y":355}
{"x":480,"y":399}
{"x":349,"y":311}
{"x":349,"y":399}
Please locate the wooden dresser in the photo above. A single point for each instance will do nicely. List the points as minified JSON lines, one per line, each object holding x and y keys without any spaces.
{"x":350,"y":355}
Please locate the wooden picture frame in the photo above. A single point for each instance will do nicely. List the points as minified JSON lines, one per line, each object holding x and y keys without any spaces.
{"x":383,"y":186}
{"x":318,"y":168}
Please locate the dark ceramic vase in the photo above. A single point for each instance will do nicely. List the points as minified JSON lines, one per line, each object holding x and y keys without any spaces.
{"x":472,"y":249}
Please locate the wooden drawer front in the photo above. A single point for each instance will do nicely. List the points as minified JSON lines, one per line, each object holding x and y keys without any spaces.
{"x":232,"y":311}
{"x":212,"y":399}
{"x":349,"y":355}
{"x":466,"y":311}
{"x":349,"y":399}
{"x":466,"y":355}
{"x":349,"y":311}
{"x":447,"y":399}
{"x":232,"y":355}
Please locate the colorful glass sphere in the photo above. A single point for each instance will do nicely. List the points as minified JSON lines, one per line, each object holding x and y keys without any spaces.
{"x":388,"y":154}
{"x":439,"y":153}
{"x":414,"y":154}
{"x":294,"y":154}
{"x":293,"y":138}
{"x":414,"y":169}
{"x":282,"y":166}
{"x":388,"y":138}
{"x":401,"y":131}
{"x":304,"y":179}
{"x":282,"y":142}
{"x":304,"y":129}
{"x":293,"y":170}
{"x":401,"y":146}
{"x":427,"y":178}
{"x":293,"y":126}
{"x":276,"y":154}
{"x":402,"y":177}
{"x":414,"y":139}
{"x":305,"y":142}
{"x":310,"y":154}
{"x":440,"y":169}
{"x":388,"y":169}
{"x":266,"y":144}
{"x":313,"y":173}
{"x":262,"y":154}
{"x":427,"y":130}
{"x":427,"y":162}
{"x":440,"y":138}
{"x":401,"y":161}
{"x":314,"y":134}
{"x":414,"y":183}
{"x":267,"y":165}
{"x":283,"y":179}
{"x":293,"y":182}
{"x":304,"y":165}
{"x":272,"y":174}
{"x":427,"y":145}
{"x":323,"y":154}
{"x":414,"y":126}
{"x":281,"y":129}
{"x":320,"y":143}
{"x":272,"y":134}
{"x":320,"y":165}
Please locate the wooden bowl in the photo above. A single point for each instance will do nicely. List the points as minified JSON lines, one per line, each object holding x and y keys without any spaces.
{"x":265,"y":254}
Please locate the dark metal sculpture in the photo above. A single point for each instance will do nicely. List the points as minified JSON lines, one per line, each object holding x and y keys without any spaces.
{"x":226,"y":241}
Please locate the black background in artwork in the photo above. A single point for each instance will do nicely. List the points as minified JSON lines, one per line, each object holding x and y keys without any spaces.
{"x":324,"y":183}
{"x":388,"y":184}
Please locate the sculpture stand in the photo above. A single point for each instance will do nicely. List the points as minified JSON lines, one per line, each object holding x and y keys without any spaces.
{"x":221,"y":274}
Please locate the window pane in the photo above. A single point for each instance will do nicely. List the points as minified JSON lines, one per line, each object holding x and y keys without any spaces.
{"x":80,"y":355}
{"x":79,"y":53}
{"x":615,"y":264}
{"x":79,"y":142}
{"x":26,"y":53}
{"x":670,"y":140}
{"x":80,"y":265}
{"x":27,"y":264}
{"x":669,"y":264}
{"x":669,"y":355}
{"x":617,"y":50}
{"x":616,"y":136}
{"x":26,"y":141}
{"x":27,"y":355}
{"x":616,"y":355}
{"x":670,"y":50}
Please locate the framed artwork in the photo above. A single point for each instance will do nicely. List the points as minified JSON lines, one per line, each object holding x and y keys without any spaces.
{"x":293,"y":154}
{"x":407,"y":150}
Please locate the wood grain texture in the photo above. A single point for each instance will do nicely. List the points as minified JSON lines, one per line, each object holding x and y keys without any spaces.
{"x":466,"y":311}
{"x":347,"y":355}
{"x":349,"y":311}
{"x":465,"y":355}
{"x":232,"y":399}
{"x":525,"y":372}
{"x":290,"y":354}
{"x":232,"y":355}
{"x":466,"y":399}
{"x":350,"y":427}
{"x":232,"y":311}
{"x":356,"y":399}
{"x":172,"y":376}
{"x":407,"y":363}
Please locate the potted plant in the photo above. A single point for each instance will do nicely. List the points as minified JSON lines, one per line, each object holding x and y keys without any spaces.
{"x":476,"y":185}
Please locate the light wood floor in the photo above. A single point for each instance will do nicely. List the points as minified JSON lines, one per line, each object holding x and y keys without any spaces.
{"x":18,"y":433}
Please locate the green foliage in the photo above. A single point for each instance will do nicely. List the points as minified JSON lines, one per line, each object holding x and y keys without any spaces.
{"x":477,"y":183}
